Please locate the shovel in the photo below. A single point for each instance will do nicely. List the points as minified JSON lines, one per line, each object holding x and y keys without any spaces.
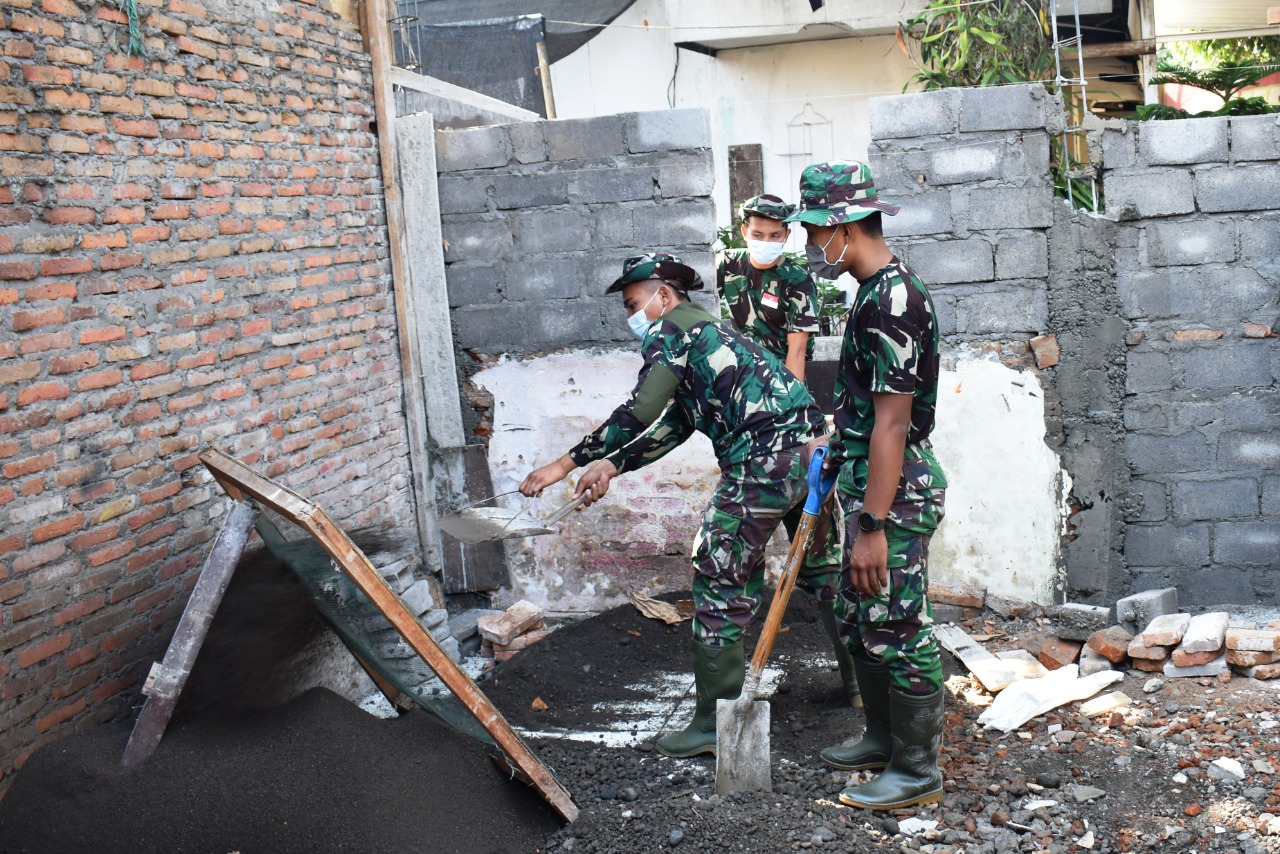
{"x":473,"y":524}
{"x":742,"y":725}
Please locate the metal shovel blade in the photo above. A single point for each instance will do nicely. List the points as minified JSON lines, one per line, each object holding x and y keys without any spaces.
{"x":481,"y":524}
{"x":742,"y":748}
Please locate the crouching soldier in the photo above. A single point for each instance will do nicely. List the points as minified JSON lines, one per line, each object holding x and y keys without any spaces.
{"x":700,"y":375}
{"x":890,"y":487}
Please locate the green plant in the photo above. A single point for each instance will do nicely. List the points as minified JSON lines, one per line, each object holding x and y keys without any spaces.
{"x":958,"y":44}
{"x":1226,"y":81}
{"x":1253,"y":50}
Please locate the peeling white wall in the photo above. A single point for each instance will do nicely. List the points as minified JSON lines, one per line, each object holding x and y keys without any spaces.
{"x":1004,"y":509}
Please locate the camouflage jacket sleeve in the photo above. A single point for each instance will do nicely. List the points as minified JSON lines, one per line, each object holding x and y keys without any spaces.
{"x":663,"y":436}
{"x":802,"y":305}
{"x":892,"y":343}
{"x":664,"y":362}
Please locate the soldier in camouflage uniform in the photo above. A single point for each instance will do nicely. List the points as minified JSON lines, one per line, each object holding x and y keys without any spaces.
{"x":700,"y":375}
{"x":773,"y":301}
{"x":890,"y":487}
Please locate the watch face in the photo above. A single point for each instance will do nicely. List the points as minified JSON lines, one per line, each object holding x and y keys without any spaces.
{"x":867,"y":522}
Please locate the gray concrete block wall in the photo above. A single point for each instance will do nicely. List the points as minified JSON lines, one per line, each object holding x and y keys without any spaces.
{"x":1199,"y":295}
{"x":537,"y":218}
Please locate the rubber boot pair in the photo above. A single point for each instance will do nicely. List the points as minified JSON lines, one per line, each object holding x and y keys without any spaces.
{"x":904,"y":733}
{"x":844,"y":660}
{"x":718,"y":672}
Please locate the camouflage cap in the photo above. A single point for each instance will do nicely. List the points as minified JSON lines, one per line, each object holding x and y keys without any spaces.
{"x":656,"y":265}
{"x":769,"y":207}
{"x":838,"y":191}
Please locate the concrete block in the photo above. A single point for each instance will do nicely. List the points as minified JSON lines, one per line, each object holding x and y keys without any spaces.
{"x":467,"y":238}
{"x":1223,"y":292}
{"x":687,"y":223}
{"x":1255,"y":138}
{"x":1253,"y":640}
{"x":1059,"y":652}
{"x":534,"y":190}
{"x":1238,"y":188}
{"x":1225,"y":365}
{"x":1020,"y":312}
{"x":1215,"y":499}
{"x":1111,"y":643}
{"x":1251,"y":658}
{"x":1077,"y":621}
{"x":451,"y":649}
{"x":463,"y":625}
{"x":471,"y":148}
{"x":1023,"y":257}
{"x":1206,"y":632}
{"x":463,"y":195}
{"x":917,"y":114}
{"x":1212,"y":668}
{"x":950,"y":613}
{"x":1249,"y":451}
{"x":1092,"y":662}
{"x":1145,"y":419}
{"x":547,"y":231}
{"x":1187,"y":141}
{"x":544,"y":278}
{"x":1253,"y":543}
{"x":434,"y":619}
{"x":962,"y":595}
{"x":1149,"y":194}
{"x":1166,"y":630}
{"x":1260,"y":238}
{"x":924,"y":213}
{"x":1140,"y":649}
{"x":1147,"y":371}
{"x":940,"y":262}
{"x":611,"y":228}
{"x":1202,"y":241}
{"x":475,"y":284}
{"x":1002,"y":107}
{"x":1011,"y":207}
{"x":1154,"y":500}
{"x":686,"y":175}
{"x":1167,"y":545}
{"x":1119,"y":146}
{"x":1186,"y":452}
{"x":528,"y":144}
{"x":596,"y":186}
{"x":668,"y":130}
{"x":572,"y":322}
{"x":582,"y":139}
{"x":418,"y":598}
{"x":964,"y":164}
{"x":490,"y":329}
{"x":1271,"y":495}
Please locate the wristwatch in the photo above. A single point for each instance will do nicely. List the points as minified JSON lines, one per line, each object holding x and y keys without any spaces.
{"x":870,"y":522}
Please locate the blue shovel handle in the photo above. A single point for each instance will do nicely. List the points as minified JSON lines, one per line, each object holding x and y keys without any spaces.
{"x":820,"y":482}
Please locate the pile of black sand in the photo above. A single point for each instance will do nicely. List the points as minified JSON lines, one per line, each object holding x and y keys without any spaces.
{"x":314,"y":775}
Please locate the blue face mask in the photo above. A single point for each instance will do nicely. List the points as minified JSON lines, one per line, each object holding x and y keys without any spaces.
{"x":639,"y":322}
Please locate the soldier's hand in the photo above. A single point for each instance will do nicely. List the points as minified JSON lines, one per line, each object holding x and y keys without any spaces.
{"x":869,"y":563}
{"x":595,"y":482}
{"x":539,"y":479}
{"x":814,"y":444}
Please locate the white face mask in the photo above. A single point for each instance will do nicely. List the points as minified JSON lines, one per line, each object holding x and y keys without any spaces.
{"x":640,"y":322}
{"x":763,"y":252}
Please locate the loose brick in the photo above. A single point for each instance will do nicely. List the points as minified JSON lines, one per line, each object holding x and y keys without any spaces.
{"x":1183,"y":658}
{"x":963,"y":595}
{"x":1139,"y":650}
{"x":1112,"y":643}
{"x":1166,"y":630}
{"x":1253,"y":640}
{"x":1059,"y":652}
{"x":1206,"y":633}
{"x":1251,"y":658}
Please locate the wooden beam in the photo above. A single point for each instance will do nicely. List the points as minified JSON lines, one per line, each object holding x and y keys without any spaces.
{"x":316,"y":522}
{"x":430,"y":85}
{"x":1144,"y":47}
{"x":415,"y":411}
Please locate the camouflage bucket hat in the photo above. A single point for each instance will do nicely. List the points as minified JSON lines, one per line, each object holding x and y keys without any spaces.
{"x":769,"y":207}
{"x":656,"y":266}
{"x":838,"y":191}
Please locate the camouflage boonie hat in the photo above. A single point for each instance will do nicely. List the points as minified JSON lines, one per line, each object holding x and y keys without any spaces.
{"x":656,"y":266}
{"x":838,"y":191}
{"x":769,"y":207}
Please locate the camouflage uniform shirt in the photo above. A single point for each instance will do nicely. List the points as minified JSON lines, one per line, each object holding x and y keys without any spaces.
{"x":891,"y":345}
{"x":699,"y":375}
{"x":767,"y":305}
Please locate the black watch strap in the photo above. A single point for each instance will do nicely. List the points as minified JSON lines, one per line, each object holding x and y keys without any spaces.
{"x":870,"y":522}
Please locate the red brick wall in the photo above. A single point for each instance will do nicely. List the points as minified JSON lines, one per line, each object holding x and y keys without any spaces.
{"x":192,"y":253}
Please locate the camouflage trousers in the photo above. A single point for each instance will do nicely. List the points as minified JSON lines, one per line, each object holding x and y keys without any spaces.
{"x":728,"y":553}
{"x":896,"y":625}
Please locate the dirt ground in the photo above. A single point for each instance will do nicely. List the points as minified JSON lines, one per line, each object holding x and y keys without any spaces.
{"x":319,"y":775}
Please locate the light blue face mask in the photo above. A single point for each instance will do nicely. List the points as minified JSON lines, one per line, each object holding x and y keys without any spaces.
{"x":639,"y":322}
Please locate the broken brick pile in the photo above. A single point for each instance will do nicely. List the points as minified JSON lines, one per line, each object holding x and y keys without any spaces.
{"x":507,"y":632}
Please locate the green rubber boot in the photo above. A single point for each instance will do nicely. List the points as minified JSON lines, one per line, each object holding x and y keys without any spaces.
{"x":912,"y":777}
{"x":827,"y":611}
{"x":875,"y":747}
{"x":718,"y":672}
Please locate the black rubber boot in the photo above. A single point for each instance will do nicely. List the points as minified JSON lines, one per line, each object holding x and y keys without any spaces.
{"x":827,"y":611}
{"x":718,"y":672}
{"x":912,"y":777}
{"x":875,"y":747}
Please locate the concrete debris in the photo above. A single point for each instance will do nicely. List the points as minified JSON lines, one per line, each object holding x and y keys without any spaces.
{"x":1152,"y":685}
{"x":417,"y":598}
{"x":1078,"y":622}
{"x":1105,"y":703}
{"x":1092,"y":662}
{"x":1226,"y":768}
{"x":1087,"y":793}
{"x":1027,"y":698}
{"x":1213,"y":668}
{"x":1140,"y":609}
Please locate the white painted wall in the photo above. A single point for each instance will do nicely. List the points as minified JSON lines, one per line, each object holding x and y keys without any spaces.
{"x":1004,"y":508}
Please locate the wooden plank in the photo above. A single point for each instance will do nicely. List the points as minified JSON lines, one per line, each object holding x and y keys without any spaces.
{"x":478,"y":566}
{"x":357,"y":567}
{"x":746,"y":173}
{"x":432,"y":86}
{"x":164,"y":685}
